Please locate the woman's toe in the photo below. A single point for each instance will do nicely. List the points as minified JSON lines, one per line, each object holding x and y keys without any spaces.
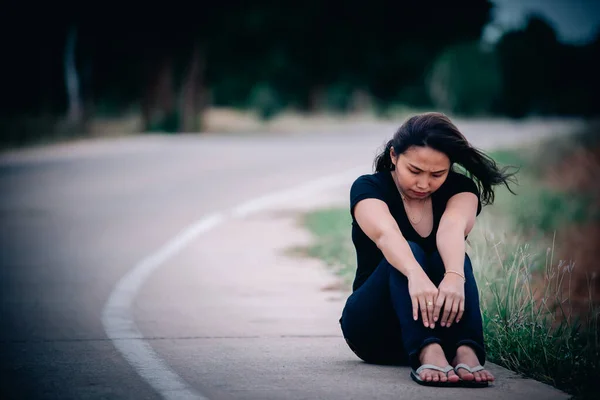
{"x":452,"y":377}
{"x":465,"y":375}
{"x":477,"y":376}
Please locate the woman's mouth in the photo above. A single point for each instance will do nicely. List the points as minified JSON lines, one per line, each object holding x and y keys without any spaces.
{"x":420,"y":194}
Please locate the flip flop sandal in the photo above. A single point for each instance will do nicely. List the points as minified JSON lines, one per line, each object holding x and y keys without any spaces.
{"x":473,"y":383}
{"x":415,"y":376}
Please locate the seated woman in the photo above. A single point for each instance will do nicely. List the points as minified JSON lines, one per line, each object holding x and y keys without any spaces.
{"x":415,"y":301}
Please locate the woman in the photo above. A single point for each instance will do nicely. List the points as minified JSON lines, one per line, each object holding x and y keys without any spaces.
{"x":415,"y":300}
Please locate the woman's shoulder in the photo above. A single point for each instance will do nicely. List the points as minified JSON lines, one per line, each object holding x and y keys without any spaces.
{"x":373,"y":185}
{"x":375,"y":177}
{"x":457,"y":182}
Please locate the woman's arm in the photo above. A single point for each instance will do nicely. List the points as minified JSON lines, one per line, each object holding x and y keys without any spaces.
{"x":374,"y":218}
{"x":456,"y":223}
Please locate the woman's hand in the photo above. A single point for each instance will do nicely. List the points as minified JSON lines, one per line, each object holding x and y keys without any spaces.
{"x":422,"y":294}
{"x":450,"y":296}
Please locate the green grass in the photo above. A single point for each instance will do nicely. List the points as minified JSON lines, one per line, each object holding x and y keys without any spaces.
{"x":526,"y":319}
{"x":526,"y":316}
{"x":334,"y":246}
{"x":539,"y":208}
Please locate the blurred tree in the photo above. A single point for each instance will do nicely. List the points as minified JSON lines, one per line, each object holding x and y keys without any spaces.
{"x":577,"y":80}
{"x":466,"y":80}
{"x":404,"y":39}
{"x":194,"y":93}
{"x":542,"y":76}
{"x":309,"y":55}
{"x":75,"y":107}
{"x":528,"y":60}
{"x":299,"y":49}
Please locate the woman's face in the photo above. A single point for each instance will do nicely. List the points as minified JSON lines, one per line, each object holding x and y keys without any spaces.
{"x":420,"y":171}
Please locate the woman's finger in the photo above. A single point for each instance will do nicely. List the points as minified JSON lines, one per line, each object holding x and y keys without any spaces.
{"x":422,"y":304}
{"x":453,"y":313}
{"x":439,"y":302}
{"x":447,"y":309}
{"x":415,"y":307}
{"x":430,"y":310}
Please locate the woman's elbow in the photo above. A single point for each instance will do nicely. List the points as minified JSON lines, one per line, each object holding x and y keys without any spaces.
{"x":451,"y":229}
{"x":385,"y":237}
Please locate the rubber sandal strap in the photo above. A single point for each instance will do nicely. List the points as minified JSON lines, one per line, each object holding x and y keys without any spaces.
{"x":476,"y":368}
{"x":445,"y":369}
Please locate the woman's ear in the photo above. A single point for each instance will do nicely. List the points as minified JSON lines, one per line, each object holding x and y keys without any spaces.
{"x":393,"y":156}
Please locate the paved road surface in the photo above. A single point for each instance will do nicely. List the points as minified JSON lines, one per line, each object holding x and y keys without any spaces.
{"x":227,"y":316}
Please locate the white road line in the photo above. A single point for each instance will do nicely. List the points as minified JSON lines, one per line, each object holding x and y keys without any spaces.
{"x":122,"y":331}
{"x":117,"y":318}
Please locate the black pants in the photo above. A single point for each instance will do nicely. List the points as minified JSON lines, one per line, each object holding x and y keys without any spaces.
{"x":377,"y":320}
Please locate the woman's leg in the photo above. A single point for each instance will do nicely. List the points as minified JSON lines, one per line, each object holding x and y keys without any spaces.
{"x":464,"y":340}
{"x":469,"y":331}
{"x":377,"y":320}
{"x":369,"y":323}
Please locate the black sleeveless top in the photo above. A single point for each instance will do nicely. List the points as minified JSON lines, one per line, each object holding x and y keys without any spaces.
{"x":380,"y":185}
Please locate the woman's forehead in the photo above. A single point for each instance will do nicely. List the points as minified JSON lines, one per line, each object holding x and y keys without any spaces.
{"x":426,"y":158}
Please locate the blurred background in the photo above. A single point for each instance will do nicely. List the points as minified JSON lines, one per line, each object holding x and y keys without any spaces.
{"x":236,"y":65}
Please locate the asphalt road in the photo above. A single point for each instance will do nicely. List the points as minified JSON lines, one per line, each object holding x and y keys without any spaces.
{"x":224,"y":316}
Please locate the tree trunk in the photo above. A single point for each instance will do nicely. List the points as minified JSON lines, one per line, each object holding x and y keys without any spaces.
{"x":158,"y":107}
{"x":317,"y":99}
{"x":193,"y":99}
{"x":75,"y":107}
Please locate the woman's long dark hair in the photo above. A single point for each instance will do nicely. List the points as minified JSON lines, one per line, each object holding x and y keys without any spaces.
{"x":435,"y":130}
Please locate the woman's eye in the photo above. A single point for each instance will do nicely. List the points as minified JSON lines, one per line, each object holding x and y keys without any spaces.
{"x":437,"y":176}
{"x":414,"y":172}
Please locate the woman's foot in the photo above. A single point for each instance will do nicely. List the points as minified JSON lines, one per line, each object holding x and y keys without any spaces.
{"x":466,"y":355}
{"x":433,"y":354}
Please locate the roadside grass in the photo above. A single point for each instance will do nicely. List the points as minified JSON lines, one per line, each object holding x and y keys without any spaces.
{"x":525,"y":292}
{"x":332,"y":227}
{"x":528,"y":317}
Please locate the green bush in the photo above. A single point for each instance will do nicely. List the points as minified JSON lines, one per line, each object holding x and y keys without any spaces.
{"x":465,"y":80}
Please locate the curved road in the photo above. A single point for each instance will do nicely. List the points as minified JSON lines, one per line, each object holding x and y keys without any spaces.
{"x":75,"y":218}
